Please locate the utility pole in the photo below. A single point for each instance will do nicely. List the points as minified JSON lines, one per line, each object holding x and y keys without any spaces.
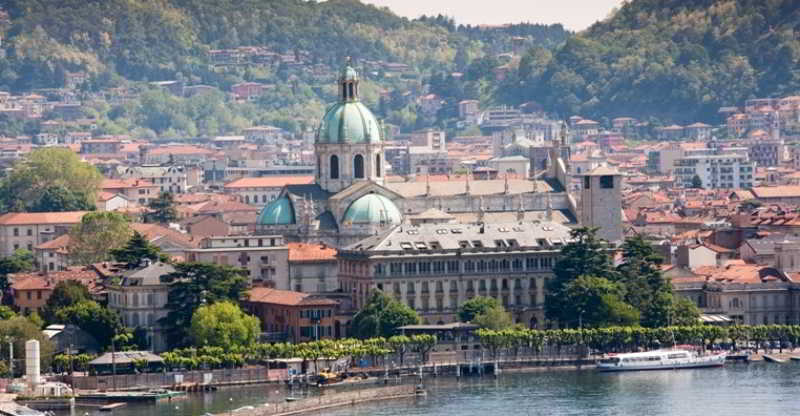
{"x":113,"y":366}
{"x":11,"y":358}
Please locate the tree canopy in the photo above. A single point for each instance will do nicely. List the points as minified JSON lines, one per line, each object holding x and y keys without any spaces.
{"x":701,"y":55}
{"x":99,"y":233}
{"x":223,"y":324}
{"x":162,"y":209}
{"x":192,"y":285}
{"x":102,"y":323}
{"x":50,"y":178}
{"x":381,"y":317}
{"x":476,"y":306}
{"x":20,"y":261}
{"x":136,"y":250}
{"x":588,"y":291}
{"x":65,"y":294}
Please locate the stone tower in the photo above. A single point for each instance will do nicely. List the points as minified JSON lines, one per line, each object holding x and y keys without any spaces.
{"x":349,"y":142}
{"x":601,"y":202}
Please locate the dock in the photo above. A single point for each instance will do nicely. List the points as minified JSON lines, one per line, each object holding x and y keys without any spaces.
{"x":128,"y":396}
{"x":774,"y":359}
{"x":112,"y":406}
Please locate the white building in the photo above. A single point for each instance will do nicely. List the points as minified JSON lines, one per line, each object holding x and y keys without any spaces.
{"x":140,"y":298}
{"x":172,"y":179}
{"x":23,"y":230}
{"x":717,"y":169}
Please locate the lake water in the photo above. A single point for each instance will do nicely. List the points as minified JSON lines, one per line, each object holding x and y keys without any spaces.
{"x":736,"y":389}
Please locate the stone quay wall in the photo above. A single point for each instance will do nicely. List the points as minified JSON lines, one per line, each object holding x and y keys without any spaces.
{"x":330,"y":400}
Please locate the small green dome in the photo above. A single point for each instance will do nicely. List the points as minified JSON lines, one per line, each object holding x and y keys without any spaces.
{"x":372,"y":209}
{"x":349,"y":122}
{"x":277,"y":212}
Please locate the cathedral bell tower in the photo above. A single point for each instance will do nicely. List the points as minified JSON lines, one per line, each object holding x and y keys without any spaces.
{"x":349,"y":142}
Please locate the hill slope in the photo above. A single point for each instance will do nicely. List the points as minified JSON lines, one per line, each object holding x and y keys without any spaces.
{"x":673,"y":59}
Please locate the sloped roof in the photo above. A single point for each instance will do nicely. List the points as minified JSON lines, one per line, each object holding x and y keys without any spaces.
{"x":310,"y":252}
{"x":269,"y":182}
{"x":287,"y":298}
{"x":31,"y":218}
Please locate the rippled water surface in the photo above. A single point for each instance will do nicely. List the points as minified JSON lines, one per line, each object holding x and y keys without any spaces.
{"x":738,"y":389}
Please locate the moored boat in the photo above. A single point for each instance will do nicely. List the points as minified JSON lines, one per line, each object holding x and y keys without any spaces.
{"x":659,"y":360}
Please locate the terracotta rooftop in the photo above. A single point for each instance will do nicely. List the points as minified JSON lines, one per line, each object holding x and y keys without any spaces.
{"x":287,"y":298}
{"x":31,"y":218}
{"x":270,"y":182}
{"x":57,"y":243}
{"x":125,"y":183}
{"x":311,"y":252}
{"x":178,"y":150}
{"x":41,"y":281}
{"x":784,"y":191}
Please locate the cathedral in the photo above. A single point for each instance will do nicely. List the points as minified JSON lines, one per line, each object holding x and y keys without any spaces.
{"x":351,"y":199}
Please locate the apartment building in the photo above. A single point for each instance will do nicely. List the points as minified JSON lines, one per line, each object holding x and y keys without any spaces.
{"x":717,"y":169}
{"x":265,"y":257}
{"x":26,"y":230}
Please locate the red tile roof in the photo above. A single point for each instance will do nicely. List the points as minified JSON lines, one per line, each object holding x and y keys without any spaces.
{"x":31,"y":218}
{"x":311,"y":252}
{"x":270,"y":182}
{"x":287,"y":298}
{"x":41,"y":281}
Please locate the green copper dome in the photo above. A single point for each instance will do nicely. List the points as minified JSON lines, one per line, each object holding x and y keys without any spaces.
{"x":349,"y":122}
{"x":277,"y":212}
{"x":372,"y":209}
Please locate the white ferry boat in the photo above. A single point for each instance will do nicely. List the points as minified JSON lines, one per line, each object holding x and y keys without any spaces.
{"x":659,"y":360}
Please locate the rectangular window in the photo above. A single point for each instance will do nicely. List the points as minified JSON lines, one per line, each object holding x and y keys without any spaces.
{"x":607,"y":182}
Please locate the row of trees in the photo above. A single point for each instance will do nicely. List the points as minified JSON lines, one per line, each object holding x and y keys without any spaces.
{"x":237,"y":355}
{"x":627,"y":339}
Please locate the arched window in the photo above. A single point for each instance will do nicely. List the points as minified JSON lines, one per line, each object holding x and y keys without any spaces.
{"x":334,"y":167}
{"x":378,"y":165}
{"x":319,"y":170}
{"x":351,"y":91}
{"x":358,"y":167}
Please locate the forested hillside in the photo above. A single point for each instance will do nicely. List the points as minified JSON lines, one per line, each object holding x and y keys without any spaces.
{"x":677,"y":60}
{"x":157,"y":39}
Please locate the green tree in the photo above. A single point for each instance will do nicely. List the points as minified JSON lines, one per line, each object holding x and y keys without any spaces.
{"x":136,"y":250}
{"x":65,"y":294}
{"x":476,"y":306}
{"x":586,"y":255}
{"x":162,"y":209}
{"x":99,"y":233}
{"x":6,"y":313}
{"x":646,"y":289}
{"x":496,"y":318}
{"x":697,"y":183}
{"x":19,"y":262}
{"x":422,"y":344}
{"x":381,"y":317}
{"x":57,"y":198}
{"x":223,"y":324}
{"x":684,"y":312}
{"x":193,"y":284}
{"x":101,"y":322}
{"x":598,"y":302}
{"x":47,"y":173}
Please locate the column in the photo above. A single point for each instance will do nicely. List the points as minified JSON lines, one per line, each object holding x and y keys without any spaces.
{"x":404,"y":293}
{"x":511,"y":283}
{"x":418,"y":295}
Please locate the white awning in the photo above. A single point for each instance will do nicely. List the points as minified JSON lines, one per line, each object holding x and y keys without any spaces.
{"x":710,"y":319}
